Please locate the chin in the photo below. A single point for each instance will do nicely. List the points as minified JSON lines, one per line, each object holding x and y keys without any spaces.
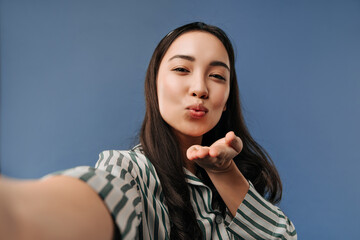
{"x":193,"y":130}
{"x":196,"y":133}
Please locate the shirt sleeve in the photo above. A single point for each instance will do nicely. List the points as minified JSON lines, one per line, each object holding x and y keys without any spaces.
{"x":256,"y":218}
{"x":116,"y":185}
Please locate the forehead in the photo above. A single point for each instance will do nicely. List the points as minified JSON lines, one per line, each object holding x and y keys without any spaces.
{"x":198,"y":44}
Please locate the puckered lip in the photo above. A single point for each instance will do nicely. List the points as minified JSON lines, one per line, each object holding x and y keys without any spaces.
{"x":197,"y":108}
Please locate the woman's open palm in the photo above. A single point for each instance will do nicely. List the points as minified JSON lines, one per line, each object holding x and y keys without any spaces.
{"x":217,"y":157}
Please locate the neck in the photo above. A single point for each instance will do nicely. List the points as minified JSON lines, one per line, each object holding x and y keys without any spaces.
{"x":186,"y":142}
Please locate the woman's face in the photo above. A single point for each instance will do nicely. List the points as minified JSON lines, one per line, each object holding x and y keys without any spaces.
{"x":193,"y":83}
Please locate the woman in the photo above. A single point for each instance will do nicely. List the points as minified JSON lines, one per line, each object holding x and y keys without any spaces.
{"x":182,"y":189}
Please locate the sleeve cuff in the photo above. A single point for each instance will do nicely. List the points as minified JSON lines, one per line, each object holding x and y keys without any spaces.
{"x":259,"y":219}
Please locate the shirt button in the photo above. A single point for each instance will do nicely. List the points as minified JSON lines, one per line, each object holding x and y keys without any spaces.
{"x":218,"y":219}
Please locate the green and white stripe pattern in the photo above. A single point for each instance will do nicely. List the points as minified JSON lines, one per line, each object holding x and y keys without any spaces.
{"x":128,"y":184}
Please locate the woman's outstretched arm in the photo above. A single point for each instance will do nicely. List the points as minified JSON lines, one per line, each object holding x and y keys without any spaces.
{"x":58,"y":207}
{"x":226,"y":177}
{"x":251,"y":216}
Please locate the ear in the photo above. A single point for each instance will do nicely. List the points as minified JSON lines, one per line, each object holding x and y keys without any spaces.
{"x":224,"y":108}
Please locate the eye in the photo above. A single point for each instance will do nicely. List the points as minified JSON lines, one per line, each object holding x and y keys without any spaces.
{"x":217,"y":76}
{"x":180,"y":69}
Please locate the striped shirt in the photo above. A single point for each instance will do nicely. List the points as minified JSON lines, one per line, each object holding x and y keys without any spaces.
{"x":131,"y":190}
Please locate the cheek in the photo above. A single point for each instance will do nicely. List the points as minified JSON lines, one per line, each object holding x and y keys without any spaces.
{"x":169,"y":89}
{"x":220,"y":98}
{"x":169,"y":93}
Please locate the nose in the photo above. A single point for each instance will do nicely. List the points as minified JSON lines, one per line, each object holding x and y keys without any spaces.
{"x":199,"y":88}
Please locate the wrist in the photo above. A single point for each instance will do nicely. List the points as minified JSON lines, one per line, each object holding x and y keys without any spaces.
{"x":231,"y":185}
{"x":228,"y":168}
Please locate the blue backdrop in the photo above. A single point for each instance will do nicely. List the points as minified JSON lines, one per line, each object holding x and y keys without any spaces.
{"x":72,"y":85}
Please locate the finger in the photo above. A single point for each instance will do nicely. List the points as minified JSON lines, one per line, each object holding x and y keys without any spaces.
{"x":197,"y":151}
{"x":215,"y":151}
{"x":229,"y":137}
{"x":203,"y":152}
{"x":190,"y":152}
{"x":234,"y":141}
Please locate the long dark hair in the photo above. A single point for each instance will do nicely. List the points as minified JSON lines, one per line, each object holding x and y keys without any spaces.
{"x":162,"y":147}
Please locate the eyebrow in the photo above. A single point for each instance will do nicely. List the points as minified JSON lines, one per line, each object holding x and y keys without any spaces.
{"x":219,"y":63}
{"x":186,"y":57}
{"x":192,"y":59}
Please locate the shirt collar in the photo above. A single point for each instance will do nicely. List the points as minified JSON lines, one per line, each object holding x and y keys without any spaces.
{"x":192,"y":179}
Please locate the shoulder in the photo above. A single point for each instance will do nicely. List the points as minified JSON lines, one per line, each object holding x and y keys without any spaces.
{"x":120,"y":162}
